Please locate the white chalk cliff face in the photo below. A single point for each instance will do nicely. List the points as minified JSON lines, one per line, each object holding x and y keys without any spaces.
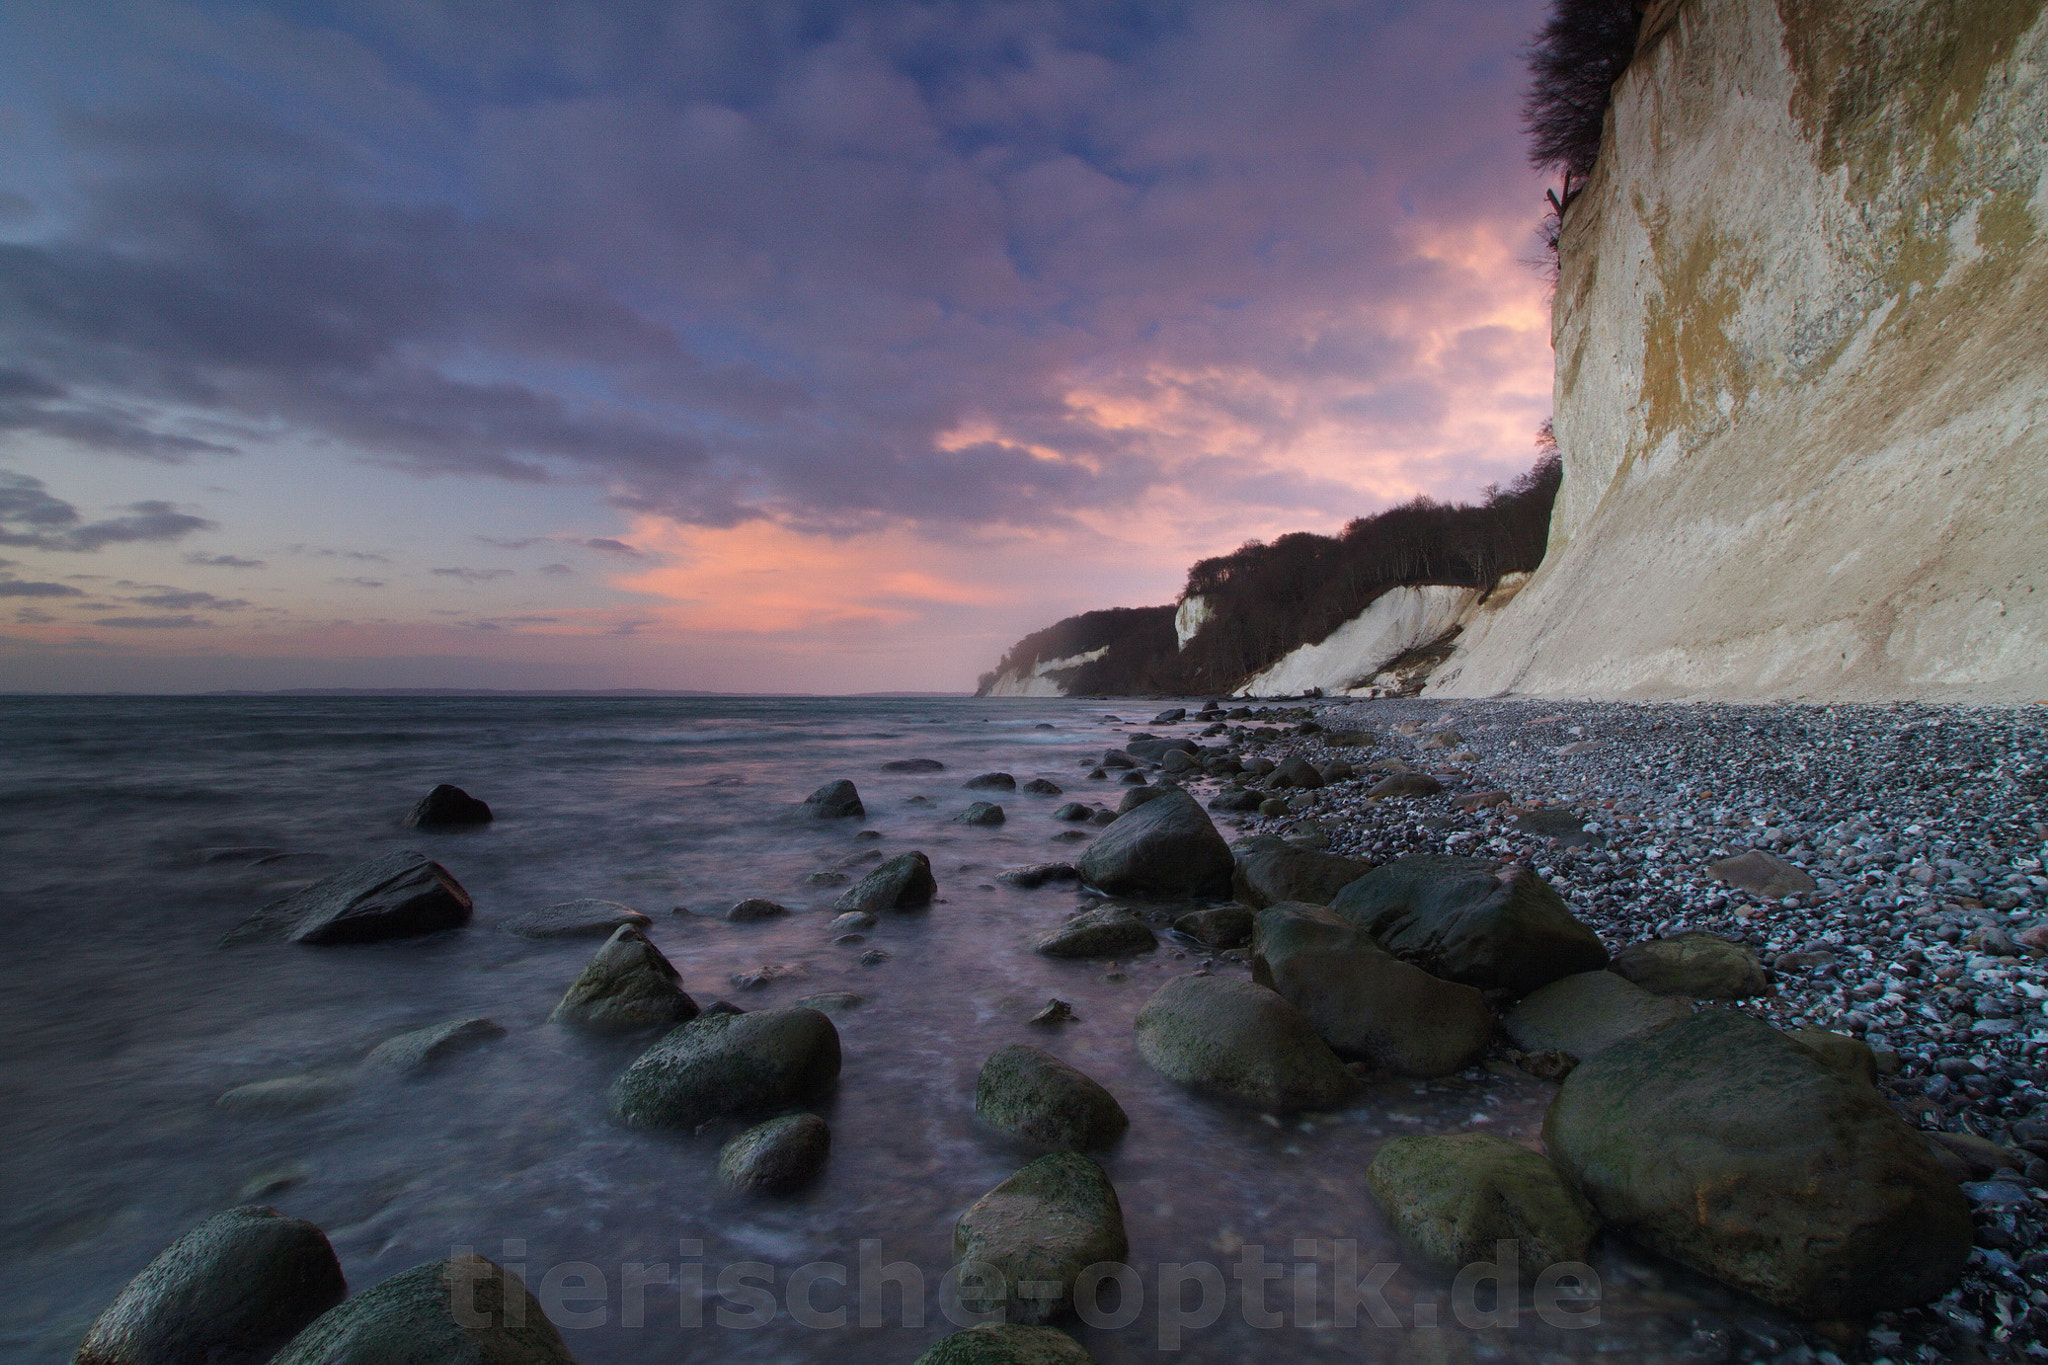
{"x":1350,"y":658}
{"x":1802,"y":367}
{"x":1046,"y":678}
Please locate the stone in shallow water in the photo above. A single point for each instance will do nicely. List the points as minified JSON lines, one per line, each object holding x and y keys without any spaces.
{"x":287,"y":1094}
{"x":1454,"y":1198}
{"x":779,"y":1155}
{"x":1007,"y":1343}
{"x":753,"y":909}
{"x":575,"y":919}
{"x":991,"y":782}
{"x":411,"y":1054}
{"x":981,"y":813}
{"x":904,"y":882}
{"x":1242,"y":1042}
{"x":627,"y":985}
{"x":398,"y":895}
{"x":1165,"y":849}
{"x":447,"y":807}
{"x":1106,"y":931}
{"x":1586,"y":1013}
{"x":838,"y":800}
{"x":914,"y":765}
{"x":1034,"y":1234}
{"x":413,"y":1317}
{"x":1037,"y":1099}
{"x":731,"y":1064}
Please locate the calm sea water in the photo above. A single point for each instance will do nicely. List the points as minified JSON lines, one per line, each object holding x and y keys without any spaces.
{"x":121,"y":1022}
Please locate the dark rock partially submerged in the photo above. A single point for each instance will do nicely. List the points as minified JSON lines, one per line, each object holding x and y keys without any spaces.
{"x":1242,"y":1042}
{"x":1455,"y":1198}
{"x":1037,"y":1099}
{"x":728,"y":1064}
{"x":627,"y":985}
{"x":586,"y":918}
{"x":1109,"y":930}
{"x":836,"y":801}
{"x":904,"y":882}
{"x":422,"y":1049}
{"x":1037,"y":1231}
{"x":461,"y":1311}
{"x":777,"y":1156}
{"x":1007,"y":1343}
{"x":398,"y":895}
{"x":447,"y":807}
{"x":1163,"y":850}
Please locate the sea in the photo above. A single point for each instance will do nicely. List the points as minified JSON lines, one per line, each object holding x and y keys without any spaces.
{"x":136,"y":831}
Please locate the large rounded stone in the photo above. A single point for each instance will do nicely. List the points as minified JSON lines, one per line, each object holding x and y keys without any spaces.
{"x":586,"y":918}
{"x":1268,"y":876}
{"x":1721,"y":1143}
{"x":728,"y":1064}
{"x":1035,"y":1098}
{"x":462,"y":1311}
{"x":447,"y":807}
{"x":777,"y":1156}
{"x":1453,"y":1198}
{"x":1164,"y":849}
{"x":904,"y":882}
{"x":836,"y":801}
{"x":423,"y":1049}
{"x":1471,"y":920}
{"x":1703,"y":966}
{"x":627,"y":985}
{"x":232,"y":1290}
{"x":1363,"y":1001}
{"x":1023,"y":1244}
{"x":1106,"y":931}
{"x":398,"y":895}
{"x":1587,"y":1013}
{"x":1220,"y":927}
{"x":1242,"y":1042}
{"x":1007,"y":1343}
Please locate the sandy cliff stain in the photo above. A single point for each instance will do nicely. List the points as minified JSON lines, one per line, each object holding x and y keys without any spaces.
{"x":1689,"y":359}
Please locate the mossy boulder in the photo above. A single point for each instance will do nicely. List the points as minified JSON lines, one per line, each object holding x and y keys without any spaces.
{"x":1588,"y":1012}
{"x":1023,"y":1244}
{"x":397,"y":895}
{"x":838,"y":800}
{"x":777,"y":1156}
{"x":423,"y":1049}
{"x":904,"y":882}
{"x":1037,"y":1099}
{"x":586,"y":918}
{"x":1454,"y":1197}
{"x":1723,"y":1144}
{"x":1472,"y":920}
{"x":1703,"y":966}
{"x":461,"y":1311}
{"x":1242,"y":1042}
{"x":1109,"y":930}
{"x":728,"y":1064}
{"x":1269,"y":875}
{"x":1007,"y":1343}
{"x":628,"y":985}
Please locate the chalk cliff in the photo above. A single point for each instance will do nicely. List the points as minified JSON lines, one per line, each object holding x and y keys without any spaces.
{"x":1802,"y":367}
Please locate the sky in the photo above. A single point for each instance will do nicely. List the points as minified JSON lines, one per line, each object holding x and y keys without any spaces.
{"x":749,"y":346}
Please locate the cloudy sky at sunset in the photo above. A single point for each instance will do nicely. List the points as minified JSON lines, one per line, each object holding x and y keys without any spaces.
{"x":748,"y":346}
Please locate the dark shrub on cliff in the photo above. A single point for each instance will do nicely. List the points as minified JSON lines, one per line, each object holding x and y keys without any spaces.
{"x":1573,"y":65}
{"x":1136,"y":640}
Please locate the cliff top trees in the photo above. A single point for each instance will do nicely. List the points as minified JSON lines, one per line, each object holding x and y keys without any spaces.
{"x":1576,"y":59}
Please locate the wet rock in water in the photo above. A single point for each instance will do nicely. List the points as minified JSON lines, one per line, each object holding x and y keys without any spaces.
{"x":1363,"y":1001}
{"x":398,"y":895}
{"x":1704,"y":966}
{"x":1038,"y":874}
{"x":1175,"y":761}
{"x":1056,"y":1011}
{"x":1842,"y":1053}
{"x":1220,"y":927}
{"x":733,"y":1064}
{"x":835,"y":801}
{"x":1072,"y":810}
{"x":1587,"y":1013}
{"x":1007,"y":1343}
{"x":777,"y":1156}
{"x":1476,"y":921}
{"x":287,"y":1094}
{"x":1106,"y":931}
{"x":1034,"y":1234}
{"x":991,"y":782}
{"x":447,"y":807}
{"x":1284,"y":873}
{"x":1454,"y":1198}
{"x":1721,"y":1143}
{"x":419,"y":1051}
{"x":461,"y":1311}
{"x":627,"y":985}
{"x":1138,"y":796}
{"x":1039,"y":786}
{"x":1163,"y":850}
{"x":1295,"y":771}
{"x":1242,"y":1042}
{"x":1133,"y":779}
{"x":575,"y":919}
{"x":853,"y":922}
{"x":904,"y":882}
{"x":753,"y":909}
{"x":1102,"y":817}
{"x":874,"y":957}
{"x":1116,"y":758}
{"x":914,"y":765}
{"x":826,"y":879}
{"x":1035,"y":1098}
{"x":1405,"y":786}
{"x":1170,"y":715}
{"x":833,"y":1002}
{"x":233,"y":1289}
{"x":1762,"y":873}
{"x":981,"y":813}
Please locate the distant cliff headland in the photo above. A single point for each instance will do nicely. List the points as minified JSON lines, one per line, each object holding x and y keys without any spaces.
{"x":1801,"y":404}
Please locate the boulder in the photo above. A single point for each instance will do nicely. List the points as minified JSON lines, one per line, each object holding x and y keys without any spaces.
{"x":398,"y":895}
{"x":1171,"y":715}
{"x":1763,"y":873}
{"x":417,"y":1052}
{"x":914,"y":765}
{"x":777,"y":1156}
{"x":904,"y":882}
{"x":1284,"y":873}
{"x":1453,"y":1198}
{"x":728,"y":1064}
{"x":585,"y":918}
{"x":1072,"y":810}
{"x":755,"y":908}
{"x":1038,"y":874}
{"x":1175,"y":761}
{"x":1587,"y":1013}
{"x":1442,"y":739}
{"x":1116,"y":758}
{"x":1035,"y":1098}
{"x":461,"y":1311}
{"x":1232,"y":802}
{"x":447,"y":807}
{"x":1220,"y":927}
{"x":1164,"y":849}
{"x":1242,"y":1042}
{"x":1108,"y":930}
{"x":1295,"y":771}
{"x":232,"y":1290}
{"x":1723,"y":1144}
{"x":835,"y":801}
{"x":991,"y":782}
{"x":1704,"y":966}
{"x":1138,"y":796}
{"x":1406,"y":786}
{"x":1031,"y":1236}
{"x":1363,"y":1001}
{"x":1039,"y":786}
{"x":853,"y":922}
{"x":981,"y":813}
{"x":1472,"y":920}
{"x":1007,"y":1343}
{"x":627,"y":985}
{"x":1847,"y":1055}
{"x":287,"y":1094}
